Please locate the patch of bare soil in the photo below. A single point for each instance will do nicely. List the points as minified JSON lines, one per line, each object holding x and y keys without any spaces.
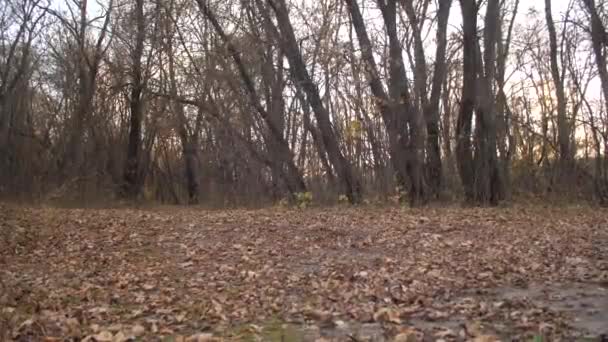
{"x":303,"y":275}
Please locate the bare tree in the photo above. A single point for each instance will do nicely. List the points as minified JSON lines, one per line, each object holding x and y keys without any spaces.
{"x":429,"y":105}
{"x":292,"y":175}
{"x":479,"y":169}
{"x":132,"y":173}
{"x":505,"y":139}
{"x":89,"y":58}
{"x":402,"y":119}
{"x":26,"y":17}
{"x":188,"y":133}
{"x":239,"y":101}
{"x":565,"y":154}
{"x":599,"y":40}
{"x":350,"y":183}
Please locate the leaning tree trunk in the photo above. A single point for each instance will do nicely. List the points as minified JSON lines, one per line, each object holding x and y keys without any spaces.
{"x":404,"y":107}
{"x":350,"y":183}
{"x":292,"y":176}
{"x":405,"y":146}
{"x":394,"y":124}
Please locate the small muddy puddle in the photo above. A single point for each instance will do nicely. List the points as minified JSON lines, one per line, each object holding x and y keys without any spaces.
{"x":585,"y":307}
{"x":585,"y":304}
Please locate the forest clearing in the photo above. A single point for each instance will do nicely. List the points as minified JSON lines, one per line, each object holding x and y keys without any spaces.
{"x":421,"y":170}
{"x":333,"y":274}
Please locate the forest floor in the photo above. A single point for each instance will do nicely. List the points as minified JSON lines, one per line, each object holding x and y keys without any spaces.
{"x":331,"y":274}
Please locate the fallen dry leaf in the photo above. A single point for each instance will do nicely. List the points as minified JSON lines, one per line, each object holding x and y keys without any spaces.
{"x":344,"y":271}
{"x":104,"y":336}
{"x":406,"y":335}
{"x":486,"y":338}
{"x":387,"y":315}
{"x":138,"y":330}
{"x":202,"y":337}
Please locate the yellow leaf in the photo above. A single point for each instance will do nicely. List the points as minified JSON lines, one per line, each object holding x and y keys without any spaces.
{"x":203,"y":337}
{"x":387,"y":315}
{"x":486,"y":338}
{"x":138,"y":330}
{"x":104,"y":336}
{"x":120,"y":337}
{"x":406,"y":335}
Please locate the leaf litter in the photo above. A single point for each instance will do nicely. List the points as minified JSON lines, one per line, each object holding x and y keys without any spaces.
{"x":331,"y":274}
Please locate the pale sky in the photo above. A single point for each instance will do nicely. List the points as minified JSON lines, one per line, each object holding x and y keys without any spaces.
{"x":559,"y":6}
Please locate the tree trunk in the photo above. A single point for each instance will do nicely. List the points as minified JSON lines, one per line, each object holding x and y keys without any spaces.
{"x":489,"y":183}
{"x":434,"y":168}
{"x":563,"y":129}
{"x":464,"y":152}
{"x":394,"y":123}
{"x":274,"y":85}
{"x":189,"y":140}
{"x":132,"y":182}
{"x":71,"y":159}
{"x":504,"y":116}
{"x":405,"y":108}
{"x":479,"y":171}
{"x":350,"y":183}
{"x":599,"y":39}
{"x":293,"y":177}
{"x":396,"y":109}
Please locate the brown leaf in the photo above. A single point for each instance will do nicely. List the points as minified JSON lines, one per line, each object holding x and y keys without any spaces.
{"x":138,"y":330}
{"x":120,"y":337}
{"x":104,"y":336}
{"x":202,"y":337}
{"x":387,"y":315}
{"x":406,"y":335}
{"x":446,"y":333}
{"x":486,"y":338}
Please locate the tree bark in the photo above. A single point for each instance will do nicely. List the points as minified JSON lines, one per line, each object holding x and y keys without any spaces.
{"x":464,"y":152}
{"x":293,"y":177}
{"x":12,"y":73}
{"x":132,"y":174}
{"x":506,"y":142}
{"x":480,"y":173}
{"x":87,"y":66}
{"x":489,"y":182}
{"x":189,"y":140}
{"x":404,"y":107}
{"x":350,"y":183}
{"x":394,"y":123}
{"x":563,"y":129}
{"x":396,"y":108}
{"x":430,"y":107}
{"x":599,"y":39}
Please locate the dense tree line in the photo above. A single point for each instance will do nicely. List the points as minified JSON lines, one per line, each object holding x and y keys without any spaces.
{"x":190,"y":101}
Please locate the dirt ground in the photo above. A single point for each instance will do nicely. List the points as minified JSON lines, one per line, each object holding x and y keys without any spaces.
{"x":337,"y":274}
